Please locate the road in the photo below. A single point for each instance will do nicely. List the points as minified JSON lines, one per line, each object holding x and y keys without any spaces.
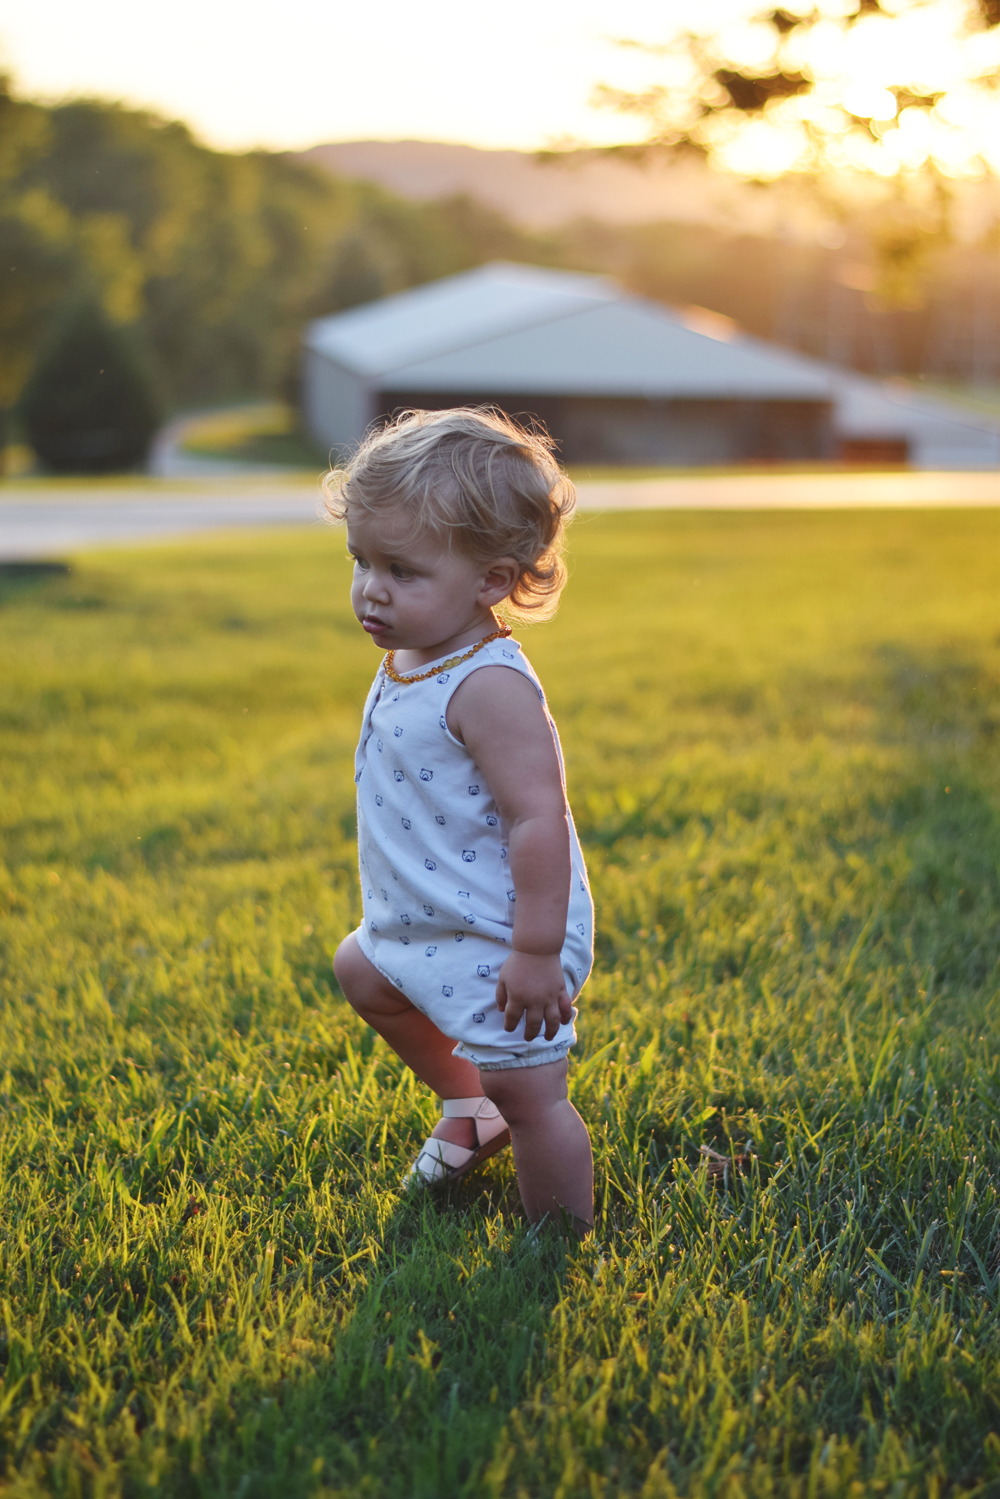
{"x":52,"y":521}
{"x":39,"y":520}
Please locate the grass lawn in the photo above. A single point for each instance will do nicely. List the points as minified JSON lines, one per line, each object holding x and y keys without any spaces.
{"x":782,"y":738}
{"x":265,"y":432}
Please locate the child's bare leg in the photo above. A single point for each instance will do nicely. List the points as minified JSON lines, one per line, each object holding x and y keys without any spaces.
{"x":424,"y":1049}
{"x":555,"y":1168}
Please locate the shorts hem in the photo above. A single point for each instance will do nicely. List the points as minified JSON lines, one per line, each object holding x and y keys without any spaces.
{"x":531,"y":1059}
{"x":555,"y":1053}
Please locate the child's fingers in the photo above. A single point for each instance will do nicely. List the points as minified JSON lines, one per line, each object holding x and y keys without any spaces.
{"x":554,"y":1018}
{"x":541,"y":1011}
{"x":512,"y":1019}
{"x":543,"y":1016}
{"x":532,"y":1024}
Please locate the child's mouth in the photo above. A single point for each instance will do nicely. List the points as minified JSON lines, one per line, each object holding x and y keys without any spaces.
{"x":373,"y":625}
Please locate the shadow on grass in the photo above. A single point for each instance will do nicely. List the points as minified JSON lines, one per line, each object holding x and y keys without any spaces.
{"x":946,"y":911}
{"x":411,"y":1398}
{"x":18,"y":576}
{"x":450,"y":1334}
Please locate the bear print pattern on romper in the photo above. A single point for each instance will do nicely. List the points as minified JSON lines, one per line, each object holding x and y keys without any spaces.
{"x":437,"y":891}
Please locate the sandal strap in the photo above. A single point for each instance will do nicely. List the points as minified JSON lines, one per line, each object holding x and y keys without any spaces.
{"x":438,"y":1160}
{"x":443,"y":1152}
{"x":486,"y":1117}
{"x":480,"y":1107}
{"x":441,"y":1160}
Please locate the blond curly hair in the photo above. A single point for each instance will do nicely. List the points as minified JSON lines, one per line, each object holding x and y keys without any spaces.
{"x":478,"y":478}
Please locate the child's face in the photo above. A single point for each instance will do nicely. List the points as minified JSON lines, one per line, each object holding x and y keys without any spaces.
{"x":413,"y":593}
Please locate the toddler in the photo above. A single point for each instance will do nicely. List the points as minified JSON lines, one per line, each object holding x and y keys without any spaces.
{"x":478,"y":924}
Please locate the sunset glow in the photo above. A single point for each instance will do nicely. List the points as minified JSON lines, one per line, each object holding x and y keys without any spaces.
{"x":288,"y":76}
{"x":889,"y":94}
{"x":250,"y":74}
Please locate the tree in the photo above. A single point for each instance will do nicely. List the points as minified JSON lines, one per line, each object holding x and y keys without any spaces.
{"x":34,"y":265}
{"x":88,"y":406}
{"x":873,"y":109}
{"x":210,"y":261}
{"x":395,"y":244}
{"x":878,"y":87}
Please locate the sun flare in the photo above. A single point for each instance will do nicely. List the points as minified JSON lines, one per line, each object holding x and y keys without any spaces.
{"x":887,"y":92}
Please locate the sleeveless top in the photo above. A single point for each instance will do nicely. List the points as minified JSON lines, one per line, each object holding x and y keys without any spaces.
{"x":436,"y":885}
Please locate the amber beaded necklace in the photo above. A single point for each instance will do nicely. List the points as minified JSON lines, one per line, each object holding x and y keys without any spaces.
{"x":452,"y":661}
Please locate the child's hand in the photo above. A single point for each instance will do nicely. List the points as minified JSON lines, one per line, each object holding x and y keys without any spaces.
{"x":534,"y":985}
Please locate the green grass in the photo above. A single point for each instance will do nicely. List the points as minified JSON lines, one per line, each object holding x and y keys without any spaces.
{"x":265,"y":432}
{"x":781,"y":735}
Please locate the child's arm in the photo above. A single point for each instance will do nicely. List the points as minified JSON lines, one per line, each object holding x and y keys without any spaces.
{"x":497,"y":714}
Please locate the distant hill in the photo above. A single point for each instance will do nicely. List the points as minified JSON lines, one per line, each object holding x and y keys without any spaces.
{"x":542,"y":195}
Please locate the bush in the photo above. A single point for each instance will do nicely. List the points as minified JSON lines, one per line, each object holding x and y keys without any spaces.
{"x":89,"y":408}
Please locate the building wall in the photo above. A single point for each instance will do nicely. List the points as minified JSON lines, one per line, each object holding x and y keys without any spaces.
{"x":593,"y":429}
{"x":933,"y":434}
{"x":337,"y":404}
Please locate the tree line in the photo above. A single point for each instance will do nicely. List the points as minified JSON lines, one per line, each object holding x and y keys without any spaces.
{"x":191,"y":270}
{"x":142,"y":272}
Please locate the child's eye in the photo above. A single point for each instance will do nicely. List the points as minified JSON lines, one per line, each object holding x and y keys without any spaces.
{"x":403,"y":573}
{"x":358,"y":561}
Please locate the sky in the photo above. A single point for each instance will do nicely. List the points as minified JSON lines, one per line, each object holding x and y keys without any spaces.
{"x":293,"y":73}
{"x":303,"y":71}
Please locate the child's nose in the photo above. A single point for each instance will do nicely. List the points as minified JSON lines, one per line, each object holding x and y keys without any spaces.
{"x":375,"y":587}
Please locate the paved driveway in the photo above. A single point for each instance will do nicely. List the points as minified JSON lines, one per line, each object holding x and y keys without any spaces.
{"x":770,"y":491}
{"x":50,"y":521}
{"x":46,"y":520}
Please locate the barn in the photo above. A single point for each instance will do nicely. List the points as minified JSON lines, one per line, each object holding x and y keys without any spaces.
{"x":615,"y":378}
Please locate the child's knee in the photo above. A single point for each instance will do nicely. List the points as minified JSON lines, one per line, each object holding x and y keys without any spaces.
{"x":364,"y":988}
{"x":345,"y":963}
{"x":353,"y":972}
{"x":526,"y":1092}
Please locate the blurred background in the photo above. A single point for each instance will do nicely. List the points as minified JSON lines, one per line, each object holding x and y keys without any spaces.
{"x":232,"y":234}
{"x":181,"y":195}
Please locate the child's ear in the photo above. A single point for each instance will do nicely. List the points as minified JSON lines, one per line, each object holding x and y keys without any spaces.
{"x":499,"y":581}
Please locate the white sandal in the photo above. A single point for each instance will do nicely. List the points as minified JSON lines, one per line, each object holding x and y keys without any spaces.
{"x":440,"y":1160}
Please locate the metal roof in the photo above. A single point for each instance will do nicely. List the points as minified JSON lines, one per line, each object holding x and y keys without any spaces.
{"x":452,"y":314}
{"x":871,"y":407}
{"x":624,"y":348}
{"x":939,"y":435}
{"x":528,"y":330}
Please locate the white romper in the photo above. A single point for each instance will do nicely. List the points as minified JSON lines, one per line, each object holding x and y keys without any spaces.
{"x":436,"y":886}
